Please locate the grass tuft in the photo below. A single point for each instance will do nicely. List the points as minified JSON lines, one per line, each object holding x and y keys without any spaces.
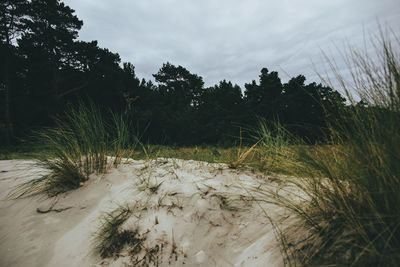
{"x":110,"y":240}
{"x":350,"y":187}
{"x":82,"y":143}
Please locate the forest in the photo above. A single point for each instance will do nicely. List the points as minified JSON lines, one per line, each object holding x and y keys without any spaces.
{"x":45,"y":69}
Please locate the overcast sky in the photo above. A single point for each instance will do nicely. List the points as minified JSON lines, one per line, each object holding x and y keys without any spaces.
{"x":230,"y":39}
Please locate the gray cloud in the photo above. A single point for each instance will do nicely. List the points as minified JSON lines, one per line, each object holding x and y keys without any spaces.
{"x":230,"y":39}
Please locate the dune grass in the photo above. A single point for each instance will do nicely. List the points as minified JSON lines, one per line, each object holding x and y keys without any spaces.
{"x":110,"y":239}
{"x":82,"y":143}
{"x":352,"y":183}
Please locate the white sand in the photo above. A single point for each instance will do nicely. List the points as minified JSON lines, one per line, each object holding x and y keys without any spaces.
{"x":203,"y":214}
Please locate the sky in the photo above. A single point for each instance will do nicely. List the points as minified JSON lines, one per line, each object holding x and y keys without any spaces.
{"x":233,"y":39}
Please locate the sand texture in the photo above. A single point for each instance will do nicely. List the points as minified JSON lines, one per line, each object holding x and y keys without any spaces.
{"x":187,"y":213}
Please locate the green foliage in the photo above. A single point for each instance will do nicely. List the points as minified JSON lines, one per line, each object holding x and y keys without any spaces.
{"x":264,"y":99}
{"x":81,"y":144}
{"x":220,"y":112}
{"x":307,"y":108}
{"x":46,"y":68}
{"x":276,"y":151}
{"x":11,"y":21}
{"x":352,"y":212}
{"x":50,"y":30}
{"x":179,"y":85}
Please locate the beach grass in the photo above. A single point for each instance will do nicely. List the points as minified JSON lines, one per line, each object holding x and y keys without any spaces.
{"x":82,"y":143}
{"x":110,"y":239}
{"x":352,"y":182}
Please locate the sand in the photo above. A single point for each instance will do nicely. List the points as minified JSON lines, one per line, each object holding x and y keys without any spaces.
{"x":189,"y":213}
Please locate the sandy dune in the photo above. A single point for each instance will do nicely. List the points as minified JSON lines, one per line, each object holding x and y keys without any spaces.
{"x":188,"y":213}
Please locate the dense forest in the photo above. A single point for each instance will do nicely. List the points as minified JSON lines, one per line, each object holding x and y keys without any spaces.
{"x":45,"y":69}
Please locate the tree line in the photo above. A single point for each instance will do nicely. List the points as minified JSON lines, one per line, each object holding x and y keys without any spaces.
{"x":45,"y":69}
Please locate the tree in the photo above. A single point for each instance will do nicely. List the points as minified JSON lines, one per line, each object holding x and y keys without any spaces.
{"x":179,"y":85}
{"x":52,"y":28}
{"x":220,"y":112}
{"x":11,"y":26}
{"x":296,"y":100}
{"x":100,"y":76}
{"x":264,"y":99}
{"x":308,"y":108}
{"x":178,"y":94}
{"x":130,"y":86}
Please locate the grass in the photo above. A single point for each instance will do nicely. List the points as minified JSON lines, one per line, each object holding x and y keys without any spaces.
{"x":19,"y":152}
{"x":207,"y":153}
{"x":110,"y":239}
{"x":349,"y":186}
{"x":114,"y":238}
{"x":81,"y":144}
{"x":277,"y":149}
{"x":236,"y":156}
{"x":352,"y":184}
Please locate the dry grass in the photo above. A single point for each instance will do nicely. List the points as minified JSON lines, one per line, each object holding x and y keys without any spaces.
{"x":352,"y":186}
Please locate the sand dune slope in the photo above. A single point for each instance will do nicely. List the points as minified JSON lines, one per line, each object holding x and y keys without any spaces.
{"x":184,"y":213}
